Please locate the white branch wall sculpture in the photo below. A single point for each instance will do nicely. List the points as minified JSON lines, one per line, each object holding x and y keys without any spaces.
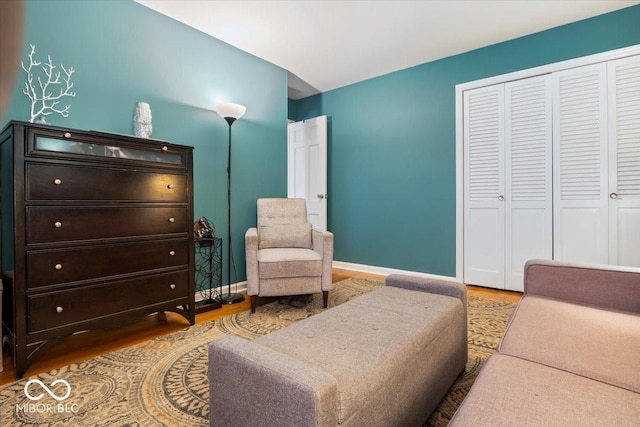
{"x":40,"y":88}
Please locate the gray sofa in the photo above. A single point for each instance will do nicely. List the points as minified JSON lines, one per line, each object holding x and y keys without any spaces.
{"x":570,"y":355}
{"x":384,"y":359}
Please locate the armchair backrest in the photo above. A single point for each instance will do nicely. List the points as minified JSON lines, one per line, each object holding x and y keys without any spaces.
{"x":282,"y":212}
{"x":283,"y":223}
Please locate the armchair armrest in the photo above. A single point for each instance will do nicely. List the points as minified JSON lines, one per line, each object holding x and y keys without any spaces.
{"x":322,"y":242}
{"x":251,"y":255}
{"x":283,"y":391}
{"x":606,"y":286}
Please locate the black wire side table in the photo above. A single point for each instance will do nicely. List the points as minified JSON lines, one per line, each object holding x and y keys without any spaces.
{"x":208,"y":273}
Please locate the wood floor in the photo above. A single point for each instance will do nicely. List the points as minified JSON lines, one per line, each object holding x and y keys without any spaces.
{"x":93,"y":343}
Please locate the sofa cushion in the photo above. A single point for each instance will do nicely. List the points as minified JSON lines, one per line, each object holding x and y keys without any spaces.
{"x":285,"y":236}
{"x":288,"y":262}
{"x":370,"y":346}
{"x":510,"y":391}
{"x":595,"y":343}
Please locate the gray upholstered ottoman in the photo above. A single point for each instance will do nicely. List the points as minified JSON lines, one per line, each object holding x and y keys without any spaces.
{"x":385,"y":359}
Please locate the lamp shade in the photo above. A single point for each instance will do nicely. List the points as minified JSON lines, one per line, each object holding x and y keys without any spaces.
{"x":231,"y":111}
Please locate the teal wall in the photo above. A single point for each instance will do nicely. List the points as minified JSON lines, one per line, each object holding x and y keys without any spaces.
{"x":291,"y":107}
{"x":392,"y":195}
{"x":124,"y":52}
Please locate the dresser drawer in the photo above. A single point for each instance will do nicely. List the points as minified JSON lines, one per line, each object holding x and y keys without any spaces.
{"x":105,"y":148}
{"x":57,"y":182}
{"x":50,"y":267}
{"x":58,"y":224}
{"x":53,"y":309}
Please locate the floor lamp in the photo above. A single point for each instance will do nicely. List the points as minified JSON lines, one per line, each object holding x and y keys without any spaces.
{"x":231,"y":113}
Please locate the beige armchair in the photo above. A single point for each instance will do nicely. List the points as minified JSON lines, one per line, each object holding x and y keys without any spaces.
{"x":284,"y":255}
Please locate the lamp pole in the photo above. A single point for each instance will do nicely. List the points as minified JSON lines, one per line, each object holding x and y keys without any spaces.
{"x":230,"y":113}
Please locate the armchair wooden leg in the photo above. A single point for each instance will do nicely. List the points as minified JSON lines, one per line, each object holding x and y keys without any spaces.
{"x":254,"y":299}
{"x":325,"y":298}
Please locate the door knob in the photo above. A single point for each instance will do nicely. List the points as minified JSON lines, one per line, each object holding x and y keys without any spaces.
{"x":613,"y":195}
{"x":322,"y":196}
{"x":501,"y":197}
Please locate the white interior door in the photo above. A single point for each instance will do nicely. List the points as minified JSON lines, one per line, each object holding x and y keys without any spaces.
{"x":528,"y":162}
{"x":484,"y":185}
{"x":580,"y":167}
{"x":307,"y":167}
{"x":624,"y":161}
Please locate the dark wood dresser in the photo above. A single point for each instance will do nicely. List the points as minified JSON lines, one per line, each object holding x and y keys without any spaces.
{"x":96,"y":233}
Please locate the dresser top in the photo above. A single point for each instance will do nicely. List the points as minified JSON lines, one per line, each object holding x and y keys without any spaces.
{"x":95,"y":133}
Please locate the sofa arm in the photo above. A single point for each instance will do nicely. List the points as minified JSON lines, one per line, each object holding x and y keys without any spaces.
{"x":323,"y":244}
{"x":434,"y":286}
{"x":606,"y":286}
{"x":251,"y":260}
{"x":253,"y":385}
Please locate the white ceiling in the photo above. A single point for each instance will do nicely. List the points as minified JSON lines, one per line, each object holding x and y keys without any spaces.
{"x":329,"y":44}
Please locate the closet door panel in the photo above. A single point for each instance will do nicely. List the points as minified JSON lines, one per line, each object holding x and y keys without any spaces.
{"x":624,"y":161}
{"x":625,"y":241}
{"x":528,"y":150}
{"x":580,"y":169}
{"x":484,"y":187}
{"x":485,"y":266}
{"x":582,"y":238}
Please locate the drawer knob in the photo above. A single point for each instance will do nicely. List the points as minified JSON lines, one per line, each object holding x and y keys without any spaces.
{"x":58,"y":267}
{"x":57,"y":181}
{"x":172,"y":219}
{"x":172,"y":253}
{"x":170,"y":186}
{"x":67,"y":135}
{"x":165,"y":148}
{"x":59,"y":309}
{"x":172,"y":286}
{"x":57,"y":224}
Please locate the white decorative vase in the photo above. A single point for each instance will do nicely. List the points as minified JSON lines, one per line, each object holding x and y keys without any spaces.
{"x":142,"y":120}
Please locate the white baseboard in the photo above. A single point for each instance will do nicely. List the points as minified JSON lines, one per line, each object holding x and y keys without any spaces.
{"x":384,"y":271}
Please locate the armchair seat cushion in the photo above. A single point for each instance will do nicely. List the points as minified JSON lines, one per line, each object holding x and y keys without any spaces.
{"x":288,"y":262}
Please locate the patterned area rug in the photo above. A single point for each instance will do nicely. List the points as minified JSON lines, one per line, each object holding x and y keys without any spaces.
{"x":163,"y":382}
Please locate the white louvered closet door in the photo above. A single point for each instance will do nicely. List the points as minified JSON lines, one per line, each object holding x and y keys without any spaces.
{"x":624,"y":161}
{"x":528,"y":198}
{"x":508,"y":194}
{"x":484,"y":186}
{"x":580,"y":169}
